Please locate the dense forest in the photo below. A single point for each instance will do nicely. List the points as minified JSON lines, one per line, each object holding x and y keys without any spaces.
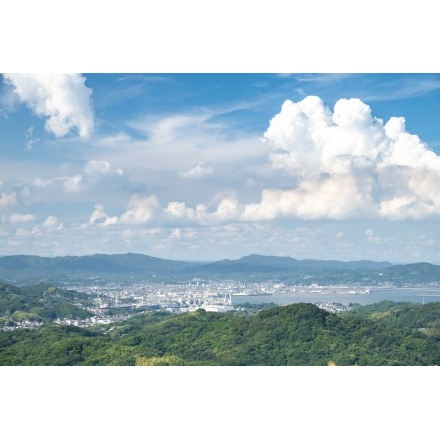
{"x":386,"y":333}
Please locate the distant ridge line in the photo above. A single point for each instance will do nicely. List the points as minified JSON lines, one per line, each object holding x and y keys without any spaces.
{"x":122,"y":266}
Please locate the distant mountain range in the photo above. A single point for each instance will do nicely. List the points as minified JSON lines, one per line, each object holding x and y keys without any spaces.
{"x":130,"y":266}
{"x":29,"y":268}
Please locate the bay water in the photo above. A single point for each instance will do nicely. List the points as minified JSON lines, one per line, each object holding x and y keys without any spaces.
{"x":375,"y":295}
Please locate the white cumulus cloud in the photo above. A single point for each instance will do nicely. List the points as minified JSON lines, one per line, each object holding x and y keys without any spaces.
{"x":227,"y":208}
{"x":141,"y":209}
{"x":346,"y":164}
{"x":98,"y":167}
{"x":63,"y":99}
{"x":97,"y":214}
{"x":95,"y":173}
{"x":52,"y":223}
{"x":179,"y":211}
{"x":100,"y":216}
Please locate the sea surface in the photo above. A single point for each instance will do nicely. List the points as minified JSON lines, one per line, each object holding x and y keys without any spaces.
{"x":413,"y":295}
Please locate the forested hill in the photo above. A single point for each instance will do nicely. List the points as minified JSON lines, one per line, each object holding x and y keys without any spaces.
{"x":27,"y":269}
{"x":297,"y":334}
{"x":41,"y":303}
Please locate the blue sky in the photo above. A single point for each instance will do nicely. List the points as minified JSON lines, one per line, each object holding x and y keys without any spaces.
{"x":209,"y":166}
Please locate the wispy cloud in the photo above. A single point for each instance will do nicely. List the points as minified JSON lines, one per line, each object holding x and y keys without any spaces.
{"x":402,"y":88}
{"x":321,"y":78}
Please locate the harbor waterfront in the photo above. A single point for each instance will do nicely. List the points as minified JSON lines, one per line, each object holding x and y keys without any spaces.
{"x":223,"y":296}
{"x":110,"y":303}
{"x":371,"y":296}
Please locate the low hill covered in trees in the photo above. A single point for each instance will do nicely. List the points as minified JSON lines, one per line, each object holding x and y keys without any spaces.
{"x":297,"y":334}
{"x":41,"y":303}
